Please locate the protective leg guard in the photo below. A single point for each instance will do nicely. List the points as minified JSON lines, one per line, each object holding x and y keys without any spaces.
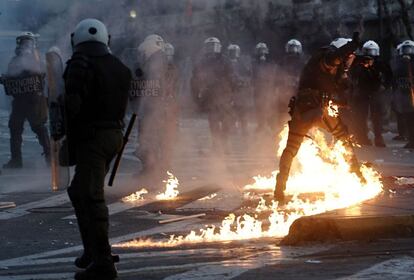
{"x":292,"y":147}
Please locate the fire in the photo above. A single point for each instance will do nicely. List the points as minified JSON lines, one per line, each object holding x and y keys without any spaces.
{"x":319,"y":167}
{"x":171,"y":188}
{"x":333,"y":109}
{"x":139,"y":195}
{"x":208,"y":197}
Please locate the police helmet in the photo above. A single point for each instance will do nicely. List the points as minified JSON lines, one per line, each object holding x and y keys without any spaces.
{"x":340,"y":42}
{"x":25,"y":42}
{"x":233,"y":51}
{"x":90,"y":30}
{"x":262,"y":49}
{"x":406,"y":48}
{"x":151,"y":44}
{"x":371,"y":48}
{"x":293,"y":46}
{"x":169,"y":49}
{"x":212,"y":45}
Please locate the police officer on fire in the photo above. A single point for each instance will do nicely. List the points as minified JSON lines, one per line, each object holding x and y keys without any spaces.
{"x":322,"y":80}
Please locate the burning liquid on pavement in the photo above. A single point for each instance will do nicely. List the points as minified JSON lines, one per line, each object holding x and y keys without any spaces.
{"x":171,"y":188}
{"x":139,"y":195}
{"x":319,"y":167}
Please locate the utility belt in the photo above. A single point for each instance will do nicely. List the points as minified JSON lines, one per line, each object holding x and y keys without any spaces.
{"x":308,"y":99}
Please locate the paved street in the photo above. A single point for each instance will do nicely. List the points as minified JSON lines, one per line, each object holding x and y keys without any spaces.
{"x":39,"y":237}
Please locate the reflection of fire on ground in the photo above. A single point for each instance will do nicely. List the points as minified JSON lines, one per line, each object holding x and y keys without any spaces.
{"x":320,"y":167}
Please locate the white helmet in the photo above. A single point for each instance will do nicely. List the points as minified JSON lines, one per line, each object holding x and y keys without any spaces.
{"x":25,"y":42}
{"x":212,"y":45}
{"x":233,"y":51}
{"x":169,"y":49}
{"x":152,"y":44}
{"x":293,"y":46}
{"x":371,"y":48}
{"x":406,"y":48}
{"x":90,"y":30}
{"x":340,"y":42}
{"x":261,"y":48}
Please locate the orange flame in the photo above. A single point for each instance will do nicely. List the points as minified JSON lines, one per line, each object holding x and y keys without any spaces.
{"x":318,"y":168}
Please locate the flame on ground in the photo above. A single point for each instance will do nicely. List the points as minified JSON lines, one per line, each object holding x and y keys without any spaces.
{"x":208,"y":197}
{"x":171,"y":188}
{"x":318,"y":168}
{"x":139,"y":195}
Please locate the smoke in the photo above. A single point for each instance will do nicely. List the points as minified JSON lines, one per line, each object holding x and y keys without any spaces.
{"x":185,"y":24}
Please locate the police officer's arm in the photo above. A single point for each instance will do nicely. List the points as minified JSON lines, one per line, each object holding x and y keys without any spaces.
{"x":76,"y":75}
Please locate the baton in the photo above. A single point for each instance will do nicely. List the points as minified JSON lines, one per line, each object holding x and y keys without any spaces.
{"x":119,"y":156}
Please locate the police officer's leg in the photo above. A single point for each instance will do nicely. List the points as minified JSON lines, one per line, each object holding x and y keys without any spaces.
{"x":78,"y":196}
{"x":360,"y":122}
{"x":16,"y":126}
{"x":297,"y":131}
{"x":377,"y":113}
{"x":409,"y":120}
{"x":93,"y":157}
{"x":339,"y":130}
{"x":37,"y":117}
{"x":401,"y":127}
{"x":215,"y":129}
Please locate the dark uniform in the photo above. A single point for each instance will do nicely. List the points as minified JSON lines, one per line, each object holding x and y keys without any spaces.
{"x":212,"y":89}
{"x":320,"y":82}
{"x":96,"y":86}
{"x":31,"y":106}
{"x":242,"y":96}
{"x":369,"y":85}
{"x":403,"y":98}
{"x":290,"y":68}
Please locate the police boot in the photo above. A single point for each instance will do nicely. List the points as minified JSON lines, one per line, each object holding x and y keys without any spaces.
{"x":16,"y":152}
{"x":13,"y":163}
{"x":102,"y":271}
{"x":85,"y":260}
{"x":409,"y":145}
{"x":379,"y":141}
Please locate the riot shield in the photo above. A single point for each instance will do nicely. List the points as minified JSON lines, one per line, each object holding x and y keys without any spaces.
{"x":60,"y":175}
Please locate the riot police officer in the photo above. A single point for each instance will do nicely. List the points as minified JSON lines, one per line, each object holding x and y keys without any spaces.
{"x":242,"y":81}
{"x":403,"y":99}
{"x":24,"y":82}
{"x":264,"y":89}
{"x":321,"y":81}
{"x":212,"y":89}
{"x":96,"y":85}
{"x":371,"y":77}
{"x":158,"y":110}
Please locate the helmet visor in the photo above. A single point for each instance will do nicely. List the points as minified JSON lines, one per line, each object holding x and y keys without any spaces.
{"x":407,"y":50}
{"x":371,"y":52}
{"x":212,"y":47}
{"x":234,"y":53}
{"x":294,"y":49}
